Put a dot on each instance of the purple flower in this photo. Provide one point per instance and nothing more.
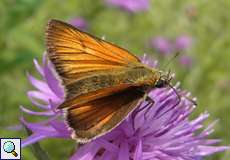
(79, 22)
(153, 131)
(183, 42)
(186, 61)
(130, 5)
(162, 45)
(166, 47)
(47, 96)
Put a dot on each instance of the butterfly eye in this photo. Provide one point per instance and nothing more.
(160, 83)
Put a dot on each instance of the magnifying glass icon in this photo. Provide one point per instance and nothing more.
(9, 147)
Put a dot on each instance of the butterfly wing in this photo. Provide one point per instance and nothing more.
(90, 96)
(96, 117)
(76, 54)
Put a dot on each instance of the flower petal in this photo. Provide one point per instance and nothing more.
(53, 82)
(40, 85)
(124, 151)
(46, 113)
(86, 152)
(38, 67)
(138, 151)
(107, 145)
(32, 139)
(208, 150)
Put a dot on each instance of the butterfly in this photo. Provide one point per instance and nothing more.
(103, 82)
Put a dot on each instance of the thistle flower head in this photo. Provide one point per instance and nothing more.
(186, 61)
(130, 5)
(156, 131)
(79, 22)
(162, 45)
(183, 42)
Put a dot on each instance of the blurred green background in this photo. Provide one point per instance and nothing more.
(22, 28)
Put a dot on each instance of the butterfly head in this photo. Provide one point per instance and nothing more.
(164, 80)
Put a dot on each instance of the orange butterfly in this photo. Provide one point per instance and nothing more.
(103, 82)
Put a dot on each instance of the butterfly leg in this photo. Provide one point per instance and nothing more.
(148, 99)
(150, 105)
(147, 106)
(135, 112)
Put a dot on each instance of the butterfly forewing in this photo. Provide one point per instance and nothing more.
(76, 53)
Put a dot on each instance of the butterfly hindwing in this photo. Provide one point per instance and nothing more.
(83, 98)
(98, 116)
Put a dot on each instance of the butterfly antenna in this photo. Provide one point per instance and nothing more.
(170, 60)
(178, 102)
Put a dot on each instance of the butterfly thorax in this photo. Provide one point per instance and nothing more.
(140, 76)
